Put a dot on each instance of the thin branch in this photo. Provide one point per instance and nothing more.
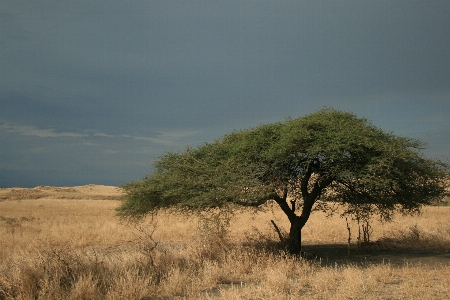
(319, 185)
(305, 181)
(280, 235)
(293, 205)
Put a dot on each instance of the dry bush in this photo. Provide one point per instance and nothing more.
(77, 249)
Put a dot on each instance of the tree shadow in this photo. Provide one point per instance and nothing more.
(331, 255)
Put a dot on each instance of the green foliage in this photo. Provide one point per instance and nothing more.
(327, 156)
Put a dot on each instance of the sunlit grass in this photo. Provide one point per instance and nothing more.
(78, 249)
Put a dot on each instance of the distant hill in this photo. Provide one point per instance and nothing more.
(86, 192)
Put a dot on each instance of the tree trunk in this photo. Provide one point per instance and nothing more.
(294, 240)
(295, 235)
(310, 196)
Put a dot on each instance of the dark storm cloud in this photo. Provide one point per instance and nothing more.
(135, 79)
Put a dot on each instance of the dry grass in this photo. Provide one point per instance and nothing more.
(78, 249)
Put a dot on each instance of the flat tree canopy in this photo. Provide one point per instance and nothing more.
(329, 156)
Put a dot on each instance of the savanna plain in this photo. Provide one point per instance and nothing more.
(67, 243)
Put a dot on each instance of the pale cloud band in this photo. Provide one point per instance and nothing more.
(164, 137)
(29, 130)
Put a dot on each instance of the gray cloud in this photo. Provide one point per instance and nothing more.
(150, 76)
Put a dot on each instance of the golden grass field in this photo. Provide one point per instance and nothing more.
(67, 243)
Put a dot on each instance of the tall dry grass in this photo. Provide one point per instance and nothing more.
(78, 249)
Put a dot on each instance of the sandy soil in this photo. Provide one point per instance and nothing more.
(85, 192)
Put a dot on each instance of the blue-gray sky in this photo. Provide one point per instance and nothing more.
(94, 91)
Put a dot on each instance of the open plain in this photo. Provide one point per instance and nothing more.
(67, 243)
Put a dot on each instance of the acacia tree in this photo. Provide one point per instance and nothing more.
(326, 157)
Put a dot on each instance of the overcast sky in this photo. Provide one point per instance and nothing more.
(94, 91)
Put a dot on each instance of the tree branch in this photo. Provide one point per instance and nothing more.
(319, 185)
(281, 201)
(293, 205)
(305, 181)
(280, 235)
